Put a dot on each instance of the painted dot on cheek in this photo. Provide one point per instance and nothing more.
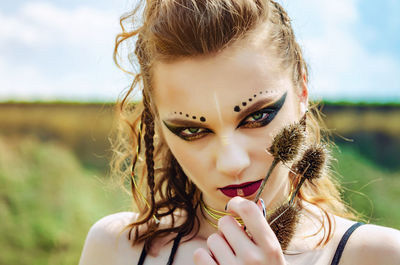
(180, 113)
(250, 99)
(244, 103)
(202, 119)
(187, 115)
(194, 117)
(236, 109)
(254, 95)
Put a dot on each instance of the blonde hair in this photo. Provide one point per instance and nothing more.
(174, 29)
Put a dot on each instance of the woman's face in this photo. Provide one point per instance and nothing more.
(218, 116)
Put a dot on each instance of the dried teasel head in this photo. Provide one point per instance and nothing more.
(287, 217)
(285, 147)
(312, 163)
(288, 142)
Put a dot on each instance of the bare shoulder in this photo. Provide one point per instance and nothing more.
(373, 244)
(106, 238)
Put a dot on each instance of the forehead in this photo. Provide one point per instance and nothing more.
(207, 85)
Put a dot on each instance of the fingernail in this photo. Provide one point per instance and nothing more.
(263, 206)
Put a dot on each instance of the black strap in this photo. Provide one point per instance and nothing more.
(174, 249)
(142, 256)
(177, 240)
(342, 243)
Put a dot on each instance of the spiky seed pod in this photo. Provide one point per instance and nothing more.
(285, 147)
(312, 163)
(287, 143)
(284, 226)
(310, 166)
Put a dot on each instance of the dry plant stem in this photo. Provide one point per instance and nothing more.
(290, 204)
(296, 191)
(260, 190)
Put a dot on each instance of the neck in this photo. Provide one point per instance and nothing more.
(206, 229)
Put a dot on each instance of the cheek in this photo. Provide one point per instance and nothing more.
(193, 161)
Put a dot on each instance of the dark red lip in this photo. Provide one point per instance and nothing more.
(238, 185)
(244, 189)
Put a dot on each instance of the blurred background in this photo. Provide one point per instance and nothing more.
(58, 84)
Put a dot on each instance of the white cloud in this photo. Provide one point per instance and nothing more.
(44, 24)
(29, 82)
(341, 64)
(48, 52)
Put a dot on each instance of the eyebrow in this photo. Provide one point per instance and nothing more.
(253, 108)
(259, 104)
(184, 123)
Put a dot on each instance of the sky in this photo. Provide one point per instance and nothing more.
(62, 49)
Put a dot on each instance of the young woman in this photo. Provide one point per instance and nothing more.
(219, 79)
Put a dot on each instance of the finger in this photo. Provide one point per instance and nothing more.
(221, 250)
(202, 257)
(254, 221)
(235, 235)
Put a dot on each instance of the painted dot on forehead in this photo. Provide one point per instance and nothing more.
(237, 107)
(202, 119)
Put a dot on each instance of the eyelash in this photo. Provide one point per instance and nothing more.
(267, 115)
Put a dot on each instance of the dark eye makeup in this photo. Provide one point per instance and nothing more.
(256, 119)
(188, 133)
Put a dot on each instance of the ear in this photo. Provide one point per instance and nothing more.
(303, 96)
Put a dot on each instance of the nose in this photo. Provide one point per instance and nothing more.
(232, 157)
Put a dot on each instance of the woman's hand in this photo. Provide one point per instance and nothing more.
(232, 245)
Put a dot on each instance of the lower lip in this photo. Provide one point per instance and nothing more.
(244, 191)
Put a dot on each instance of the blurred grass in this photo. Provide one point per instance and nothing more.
(83, 127)
(48, 201)
(371, 190)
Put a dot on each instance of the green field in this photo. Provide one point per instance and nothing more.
(54, 183)
(48, 202)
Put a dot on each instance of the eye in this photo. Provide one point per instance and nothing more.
(259, 118)
(191, 133)
(188, 133)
